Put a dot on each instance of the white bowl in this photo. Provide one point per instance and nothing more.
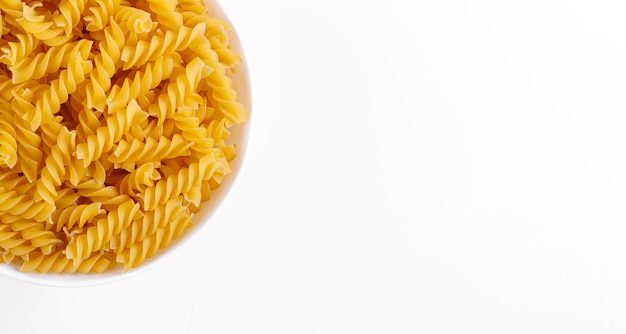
(240, 135)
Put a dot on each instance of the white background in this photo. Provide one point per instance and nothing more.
(445, 167)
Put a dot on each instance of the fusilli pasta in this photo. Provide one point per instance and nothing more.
(114, 128)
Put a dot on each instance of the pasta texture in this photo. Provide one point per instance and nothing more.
(115, 118)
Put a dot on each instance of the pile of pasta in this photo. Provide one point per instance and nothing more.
(115, 117)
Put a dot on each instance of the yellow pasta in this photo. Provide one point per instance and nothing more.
(150, 150)
(137, 20)
(8, 142)
(58, 262)
(114, 128)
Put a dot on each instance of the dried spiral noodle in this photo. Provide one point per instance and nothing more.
(114, 122)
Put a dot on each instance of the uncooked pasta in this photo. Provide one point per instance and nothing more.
(115, 117)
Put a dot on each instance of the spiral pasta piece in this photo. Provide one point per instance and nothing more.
(41, 239)
(8, 144)
(148, 225)
(19, 50)
(214, 27)
(134, 255)
(100, 14)
(181, 92)
(70, 12)
(97, 236)
(97, 192)
(21, 238)
(76, 171)
(67, 198)
(28, 149)
(55, 166)
(186, 181)
(223, 96)
(195, 8)
(12, 242)
(77, 215)
(21, 205)
(33, 21)
(218, 130)
(192, 131)
(35, 67)
(58, 263)
(165, 11)
(40, 212)
(49, 101)
(139, 151)
(105, 66)
(137, 20)
(140, 84)
(226, 55)
(109, 135)
(162, 45)
(143, 176)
